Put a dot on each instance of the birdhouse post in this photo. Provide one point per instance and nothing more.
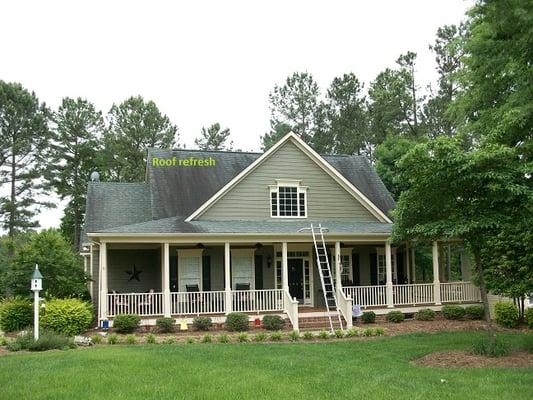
(36, 286)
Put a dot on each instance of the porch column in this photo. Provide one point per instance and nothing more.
(338, 280)
(436, 281)
(408, 263)
(413, 262)
(227, 276)
(103, 281)
(91, 273)
(165, 278)
(284, 267)
(388, 272)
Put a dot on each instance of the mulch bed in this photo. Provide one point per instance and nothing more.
(464, 359)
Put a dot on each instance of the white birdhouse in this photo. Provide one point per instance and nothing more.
(36, 280)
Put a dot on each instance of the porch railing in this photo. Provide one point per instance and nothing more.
(196, 303)
(345, 306)
(456, 292)
(143, 304)
(367, 295)
(291, 308)
(257, 300)
(413, 294)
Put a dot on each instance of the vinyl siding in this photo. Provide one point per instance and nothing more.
(119, 262)
(250, 198)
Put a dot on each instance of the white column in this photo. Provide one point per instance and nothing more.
(407, 263)
(103, 281)
(284, 267)
(388, 272)
(338, 277)
(165, 278)
(436, 281)
(413, 262)
(227, 276)
(91, 273)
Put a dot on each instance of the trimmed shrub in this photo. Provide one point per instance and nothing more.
(353, 332)
(169, 340)
(293, 336)
(506, 314)
(67, 316)
(131, 339)
(308, 335)
(323, 335)
(15, 314)
(484, 347)
(223, 338)
(97, 339)
(528, 317)
(260, 337)
(243, 337)
(339, 333)
(276, 336)
(395, 316)
(126, 323)
(150, 339)
(425, 314)
(202, 323)
(207, 338)
(165, 325)
(21, 342)
(237, 322)
(474, 311)
(368, 317)
(112, 339)
(273, 322)
(379, 331)
(451, 311)
(368, 332)
(51, 341)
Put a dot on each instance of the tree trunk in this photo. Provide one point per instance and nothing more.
(13, 196)
(484, 297)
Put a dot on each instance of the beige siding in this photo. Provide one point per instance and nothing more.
(250, 199)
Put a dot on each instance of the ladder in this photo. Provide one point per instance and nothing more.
(324, 270)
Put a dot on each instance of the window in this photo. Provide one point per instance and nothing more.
(288, 200)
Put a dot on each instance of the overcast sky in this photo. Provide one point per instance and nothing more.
(208, 61)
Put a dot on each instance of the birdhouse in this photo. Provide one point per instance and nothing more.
(36, 279)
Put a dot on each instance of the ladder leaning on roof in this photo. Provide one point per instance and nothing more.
(324, 270)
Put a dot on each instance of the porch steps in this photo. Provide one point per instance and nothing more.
(318, 323)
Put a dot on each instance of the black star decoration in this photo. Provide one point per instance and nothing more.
(134, 273)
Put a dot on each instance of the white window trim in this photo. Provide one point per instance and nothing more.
(300, 189)
(380, 251)
(347, 251)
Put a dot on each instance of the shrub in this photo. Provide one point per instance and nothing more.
(21, 342)
(190, 340)
(323, 335)
(368, 332)
(275, 336)
(165, 325)
(223, 338)
(237, 322)
(202, 323)
(339, 333)
(293, 336)
(395, 316)
(243, 337)
(131, 339)
(451, 311)
(528, 316)
(126, 323)
(67, 316)
(506, 314)
(50, 341)
(260, 337)
(15, 314)
(150, 339)
(207, 338)
(97, 339)
(425, 314)
(379, 331)
(169, 340)
(3, 341)
(353, 332)
(308, 335)
(474, 311)
(112, 339)
(528, 343)
(484, 347)
(273, 322)
(368, 317)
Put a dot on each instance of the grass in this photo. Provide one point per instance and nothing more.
(379, 368)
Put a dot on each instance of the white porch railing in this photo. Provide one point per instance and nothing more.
(456, 292)
(291, 308)
(413, 294)
(345, 307)
(257, 300)
(367, 296)
(196, 303)
(143, 304)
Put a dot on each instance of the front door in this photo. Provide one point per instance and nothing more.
(296, 278)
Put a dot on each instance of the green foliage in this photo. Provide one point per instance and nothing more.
(214, 138)
(202, 323)
(15, 314)
(496, 348)
(506, 314)
(51, 341)
(67, 316)
(273, 322)
(126, 323)
(368, 332)
(368, 317)
(223, 338)
(112, 339)
(237, 322)
(150, 339)
(260, 337)
(207, 338)
(308, 335)
(379, 331)
(243, 337)
(190, 340)
(475, 311)
(166, 325)
(352, 332)
(425, 314)
(21, 342)
(293, 336)
(324, 335)
(452, 311)
(395, 316)
(169, 340)
(339, 333)
(528, 317)
(276, 336)
(96, 339)
(3, 341)
(131, 339)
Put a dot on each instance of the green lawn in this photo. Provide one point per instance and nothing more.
(369, 369)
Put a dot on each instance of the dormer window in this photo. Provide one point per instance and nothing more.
(288, 199)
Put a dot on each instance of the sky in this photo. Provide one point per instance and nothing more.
(208, 61)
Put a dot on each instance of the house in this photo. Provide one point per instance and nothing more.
(210, 232)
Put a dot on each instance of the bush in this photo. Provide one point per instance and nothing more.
(260, 337)
(395, 316)
(506, 314)
(425, 314)
(528, 343)
(323, 335)
(293, 336)
(67, 316)
(368, 317)
(339, 333)
(165, 325)
(131, 339)
(190, 340)
(21, 342)
(202, 323)
(379, 331)
(484, 347)
(3, 341)
(97, 339)
(207, 338)
(15, 314)
(308, 335)
(112, 339)
(451, 311)
(126, 323)
(368, 332)
(273, 322)
(243, 337)
(150, 339)
(237, 322)
(353, 332)
(224, 338)
(169, 340)
(474, 311)
(276, 336)
(528, 316)
(50, 341)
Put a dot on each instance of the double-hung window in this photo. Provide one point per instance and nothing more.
(288, 199)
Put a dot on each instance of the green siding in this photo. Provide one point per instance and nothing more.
(250, 198)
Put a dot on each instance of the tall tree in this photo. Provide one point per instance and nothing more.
(79, 128)
(134, 126)
(214, 138)
(24, 139)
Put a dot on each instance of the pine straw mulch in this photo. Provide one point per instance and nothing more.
(465, 359)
